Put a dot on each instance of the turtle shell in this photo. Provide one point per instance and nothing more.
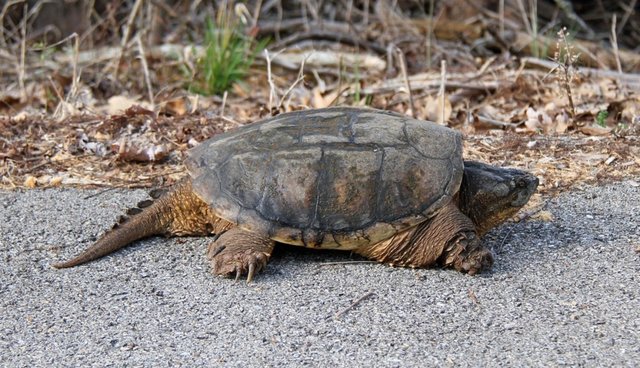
(332, 178)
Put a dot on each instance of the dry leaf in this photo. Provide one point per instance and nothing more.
(492, 112)
(30, 182)
(562, 123)
(176, 107)
(320, 101)
(537, 120)
(433, 109)
(119, 104)
(546, 216)
(20, 117)
(595, 130)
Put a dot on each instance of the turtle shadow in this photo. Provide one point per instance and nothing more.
(515, 245)
(285, 253)
(518, 246)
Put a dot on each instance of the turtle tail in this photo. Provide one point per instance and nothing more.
(151, 217)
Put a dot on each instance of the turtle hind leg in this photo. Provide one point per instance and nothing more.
(448, 239)
(239, 252)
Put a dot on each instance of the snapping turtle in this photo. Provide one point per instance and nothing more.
(385, 186)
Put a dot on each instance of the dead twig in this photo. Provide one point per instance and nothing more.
(224, 103)
(256, 14)
(627, 13)
(345, 263)
(231, 121)
(614, 43)
(318, 34)
(355, 303)
(520, 218)
(101, 192)
(127, 31)
(565, 58)
(65, 107)
(267, 27)
(272, 86)
(407, 86)
(293, 85)
(145, 70)
(502, 124)
(500, 247)
(23, 52)
(441, 92)
(74, 75)
(629, 78)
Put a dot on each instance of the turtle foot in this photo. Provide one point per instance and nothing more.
(469, 256)
(239, 252)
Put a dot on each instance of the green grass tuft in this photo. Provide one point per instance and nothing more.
(229, 53)
(601, 118)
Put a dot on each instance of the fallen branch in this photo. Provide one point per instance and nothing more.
(393, 85)
(315, 34)
(629, 78)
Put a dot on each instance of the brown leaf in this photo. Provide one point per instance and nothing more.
(176, 107)
(537, 120)
(595, 130)
(562, 123)
(119, 104)
(30, 182)
(135, 110)
(434, 109)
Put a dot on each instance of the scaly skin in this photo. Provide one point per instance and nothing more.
(178, 213)
(448, 239)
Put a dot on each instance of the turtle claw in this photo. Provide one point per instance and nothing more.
(469, 256)
(236, 262)
(237, 253)
(478, 260)
(252, 271)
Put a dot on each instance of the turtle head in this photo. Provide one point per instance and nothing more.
(490, 195)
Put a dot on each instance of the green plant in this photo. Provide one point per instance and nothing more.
(356, 82)
(601, 118)
(229, 53)
(357, 93)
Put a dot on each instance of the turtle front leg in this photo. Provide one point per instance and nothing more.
(239, 252)
(448, 239)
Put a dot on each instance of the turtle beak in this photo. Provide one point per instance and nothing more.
(527, 184)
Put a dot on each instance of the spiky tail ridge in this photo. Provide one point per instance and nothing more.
(152, 220)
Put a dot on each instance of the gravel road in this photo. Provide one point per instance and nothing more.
(562, 293)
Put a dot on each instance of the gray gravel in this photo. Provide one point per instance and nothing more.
(562, 293)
